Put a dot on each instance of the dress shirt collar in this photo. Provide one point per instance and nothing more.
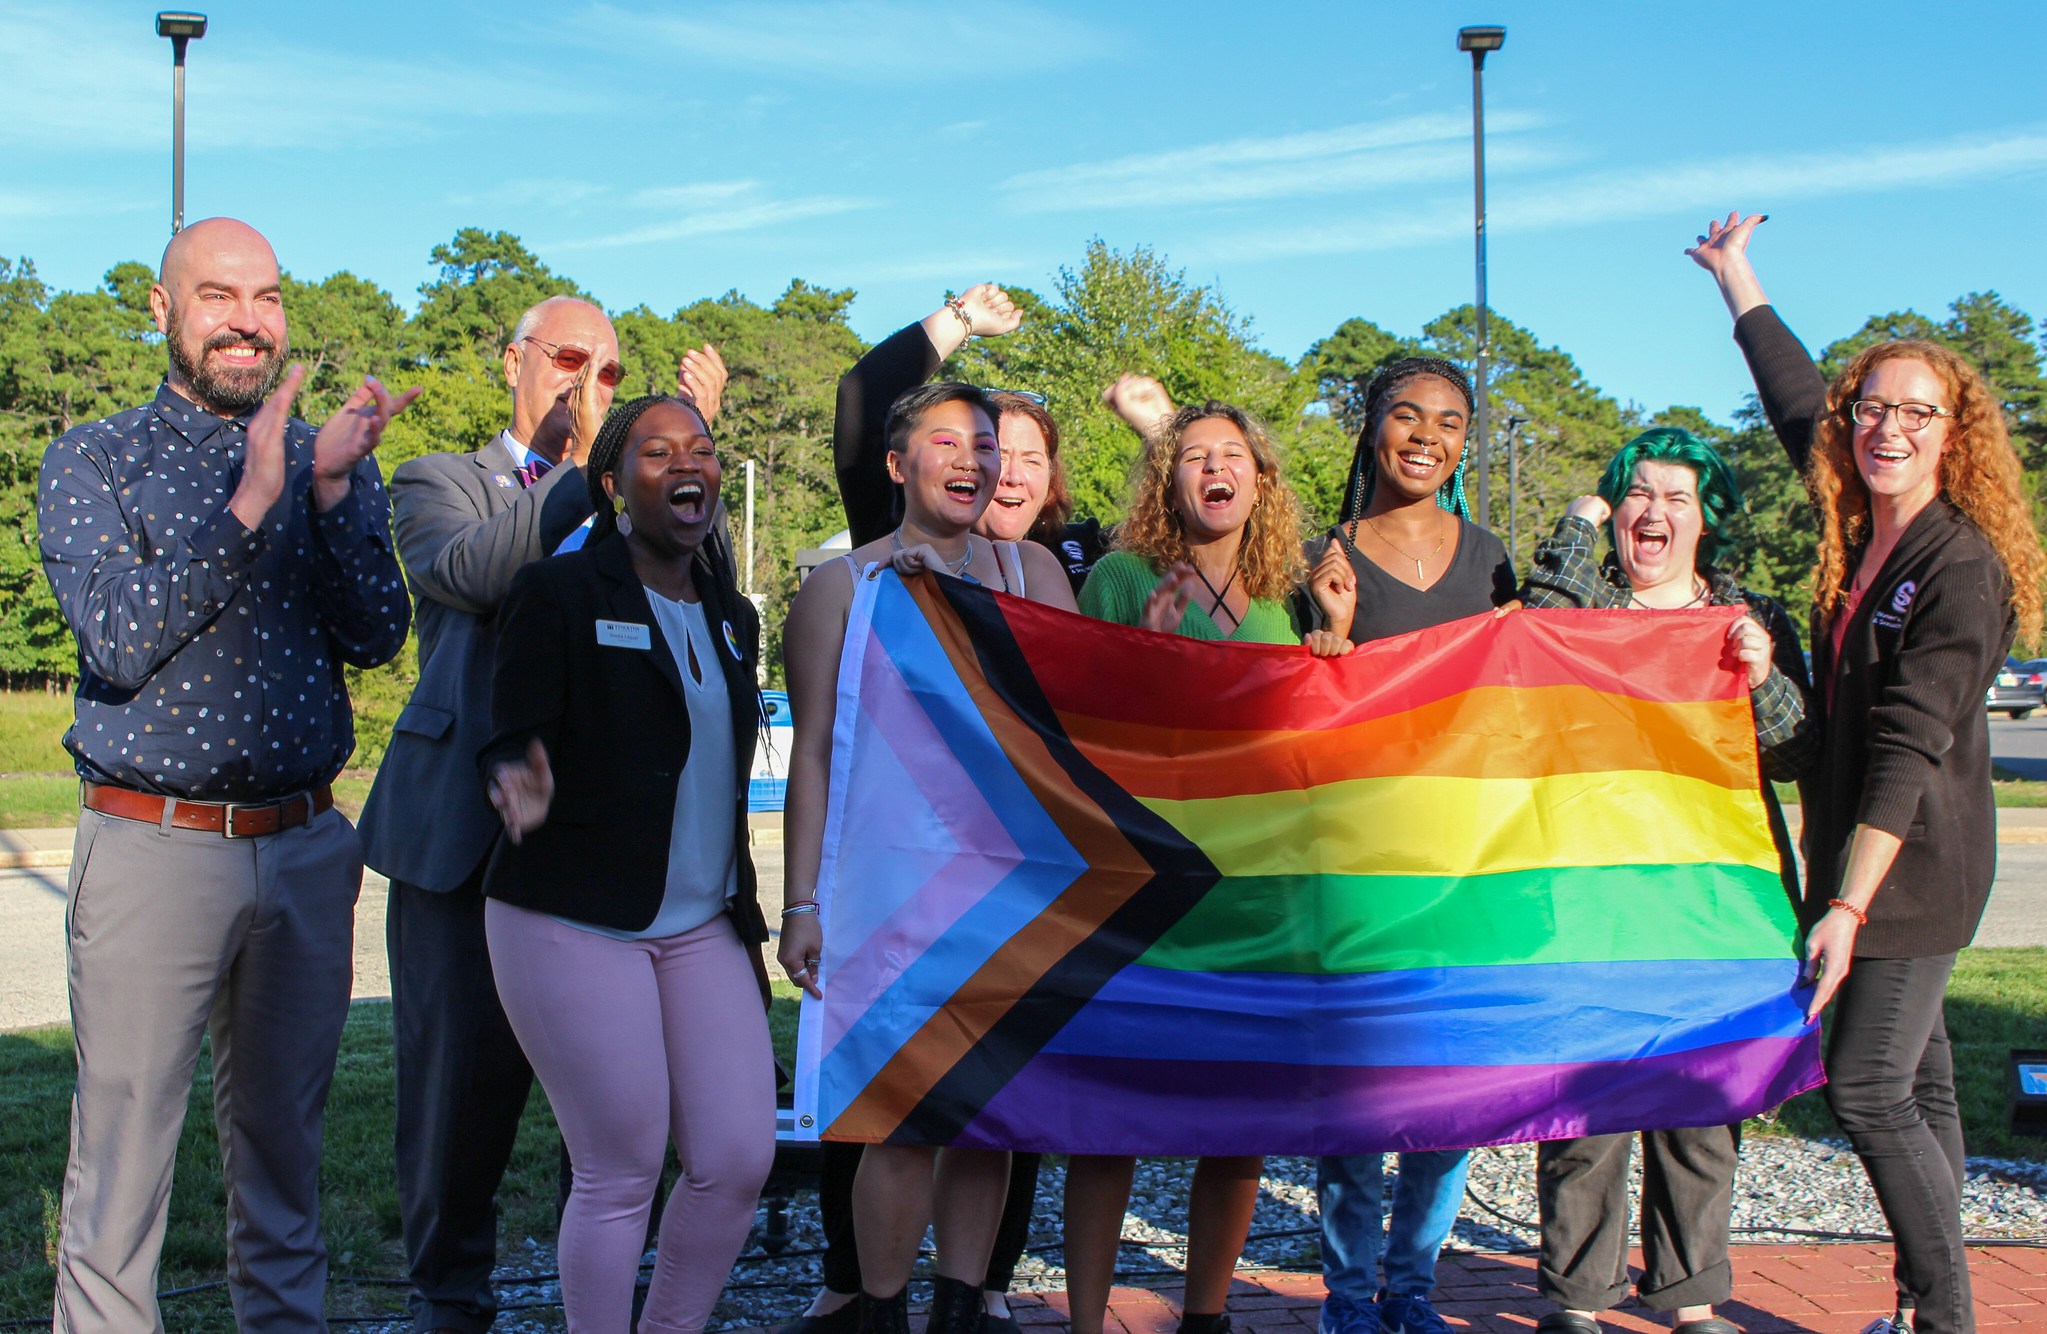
(190, 420)
(521, 456)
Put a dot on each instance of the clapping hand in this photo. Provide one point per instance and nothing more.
(1140, 401)
(1334, 582)
(701, 379)
(522, 792)
(263, 462)
(349, 436)
(586, 414)
(1167, 605)
(1749, 644)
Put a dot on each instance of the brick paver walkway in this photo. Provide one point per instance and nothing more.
(1777, 1290)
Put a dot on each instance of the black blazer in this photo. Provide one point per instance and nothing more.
(616, 728)
(1906, 739)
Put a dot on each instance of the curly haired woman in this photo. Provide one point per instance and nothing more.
(1210, 549)
(1928, 567)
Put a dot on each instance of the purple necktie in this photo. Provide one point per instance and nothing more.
(533, 470)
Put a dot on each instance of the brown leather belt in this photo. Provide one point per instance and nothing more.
(228, 819)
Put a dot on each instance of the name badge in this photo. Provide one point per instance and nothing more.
(624, 634)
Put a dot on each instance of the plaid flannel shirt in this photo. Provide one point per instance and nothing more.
(1564, 574)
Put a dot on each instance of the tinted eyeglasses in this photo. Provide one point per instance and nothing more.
(573, 359)
(1028, 395)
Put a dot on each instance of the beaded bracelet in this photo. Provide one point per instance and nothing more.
(794, 909)
(958, 306)
(1861, 917)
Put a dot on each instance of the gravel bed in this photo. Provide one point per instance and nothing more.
(1794, 1183)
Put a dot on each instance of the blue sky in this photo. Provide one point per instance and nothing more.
(1310, 160)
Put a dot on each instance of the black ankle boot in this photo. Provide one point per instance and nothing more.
(956, 1307)
(1219, 1323)
(885, 1315)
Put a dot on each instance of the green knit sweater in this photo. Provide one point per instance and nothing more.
(1117, 588)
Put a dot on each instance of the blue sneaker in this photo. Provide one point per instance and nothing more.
(1341, 1315)
(1409, 1313)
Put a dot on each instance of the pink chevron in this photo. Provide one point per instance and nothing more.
(984, 854)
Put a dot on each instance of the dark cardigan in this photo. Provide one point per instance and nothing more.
(616, 728)
(900, 362)
(1906, 744)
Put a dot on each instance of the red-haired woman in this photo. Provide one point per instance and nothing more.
(1928, 567)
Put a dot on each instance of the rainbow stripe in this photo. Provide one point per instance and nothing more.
(1088, 889)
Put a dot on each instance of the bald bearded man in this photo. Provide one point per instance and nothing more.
(219, 562)
(466, 523)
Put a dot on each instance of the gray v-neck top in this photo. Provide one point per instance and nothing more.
(1480, 578)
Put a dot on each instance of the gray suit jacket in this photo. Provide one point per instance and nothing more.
(464, 527)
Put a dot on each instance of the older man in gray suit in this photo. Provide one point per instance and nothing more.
(465, 524)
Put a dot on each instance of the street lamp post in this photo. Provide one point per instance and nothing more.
(1478, 41)
(1514, 425)
(180, 28)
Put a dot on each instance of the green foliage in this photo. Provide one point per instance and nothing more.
(488, 279)
(1345, 362)
(342, 329)
(1130, 312)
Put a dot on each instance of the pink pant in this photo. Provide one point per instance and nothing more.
(635, 1041)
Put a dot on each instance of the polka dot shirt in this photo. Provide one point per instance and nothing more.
(210, 656)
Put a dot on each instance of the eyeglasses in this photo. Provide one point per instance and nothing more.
(1029, 396)
(1911, 416)
(573, 359)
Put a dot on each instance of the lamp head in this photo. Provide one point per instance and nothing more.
(180, 26)
(1480, 40)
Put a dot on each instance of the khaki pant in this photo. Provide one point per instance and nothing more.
(173, 933)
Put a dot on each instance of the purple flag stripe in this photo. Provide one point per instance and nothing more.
(1117, 1105)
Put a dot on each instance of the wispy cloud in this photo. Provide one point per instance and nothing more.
(48, 105)
(1691, 189)
(1381, 155)
(858, 40)
(709, 208)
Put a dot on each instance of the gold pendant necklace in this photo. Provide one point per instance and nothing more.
(1419, 561)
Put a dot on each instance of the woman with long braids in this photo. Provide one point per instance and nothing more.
(1929, 566)
(1210, 548)
(1418, 561)
(623, 928)
(942, 450)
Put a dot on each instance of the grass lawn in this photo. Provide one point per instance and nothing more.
(358, 1182)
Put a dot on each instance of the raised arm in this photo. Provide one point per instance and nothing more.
(1793, 393)
(903, 360)
(1564, 572)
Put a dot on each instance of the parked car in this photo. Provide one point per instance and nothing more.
(771, 756)
(2020, 688)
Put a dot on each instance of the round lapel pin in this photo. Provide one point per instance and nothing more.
(732, 642)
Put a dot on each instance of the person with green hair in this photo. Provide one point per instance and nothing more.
(1665, 501)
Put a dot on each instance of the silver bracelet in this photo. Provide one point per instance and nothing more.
(796, 909)
(959, 308)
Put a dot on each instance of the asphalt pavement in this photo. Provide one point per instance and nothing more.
(2020, 746)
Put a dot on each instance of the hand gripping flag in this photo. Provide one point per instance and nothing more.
(1090, 889)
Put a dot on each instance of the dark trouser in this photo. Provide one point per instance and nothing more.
(1891, 1084)
(835, 1210)
(462, 1086)
(1687, 1197)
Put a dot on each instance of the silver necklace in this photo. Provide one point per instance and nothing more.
(959, 571)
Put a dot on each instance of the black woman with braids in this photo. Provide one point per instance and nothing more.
(621, 916)
(1419, 562)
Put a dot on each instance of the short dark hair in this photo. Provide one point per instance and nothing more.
(910, 406)
(1391, 378)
